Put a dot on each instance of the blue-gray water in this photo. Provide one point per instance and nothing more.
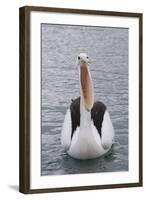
(108, 50)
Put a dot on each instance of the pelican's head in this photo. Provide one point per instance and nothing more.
(83, 58)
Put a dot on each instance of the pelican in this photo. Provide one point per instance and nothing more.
(87, 131)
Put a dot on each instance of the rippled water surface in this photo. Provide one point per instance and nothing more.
(108, 50)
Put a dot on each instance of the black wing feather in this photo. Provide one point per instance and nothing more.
(97, 114)
(75, 114)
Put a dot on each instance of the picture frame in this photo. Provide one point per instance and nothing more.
(31, 19)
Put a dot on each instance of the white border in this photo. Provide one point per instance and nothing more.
(132, 176)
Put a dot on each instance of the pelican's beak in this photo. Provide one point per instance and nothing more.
(86, 88)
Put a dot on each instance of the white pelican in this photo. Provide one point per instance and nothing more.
(87, 130)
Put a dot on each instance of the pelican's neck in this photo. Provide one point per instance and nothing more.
(85, 116)
(87, 96)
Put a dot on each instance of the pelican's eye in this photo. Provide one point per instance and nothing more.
(87, 57)
(78, 57)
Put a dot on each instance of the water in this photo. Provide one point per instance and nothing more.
(108, 50)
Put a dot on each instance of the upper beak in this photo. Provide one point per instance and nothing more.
(86, 88)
